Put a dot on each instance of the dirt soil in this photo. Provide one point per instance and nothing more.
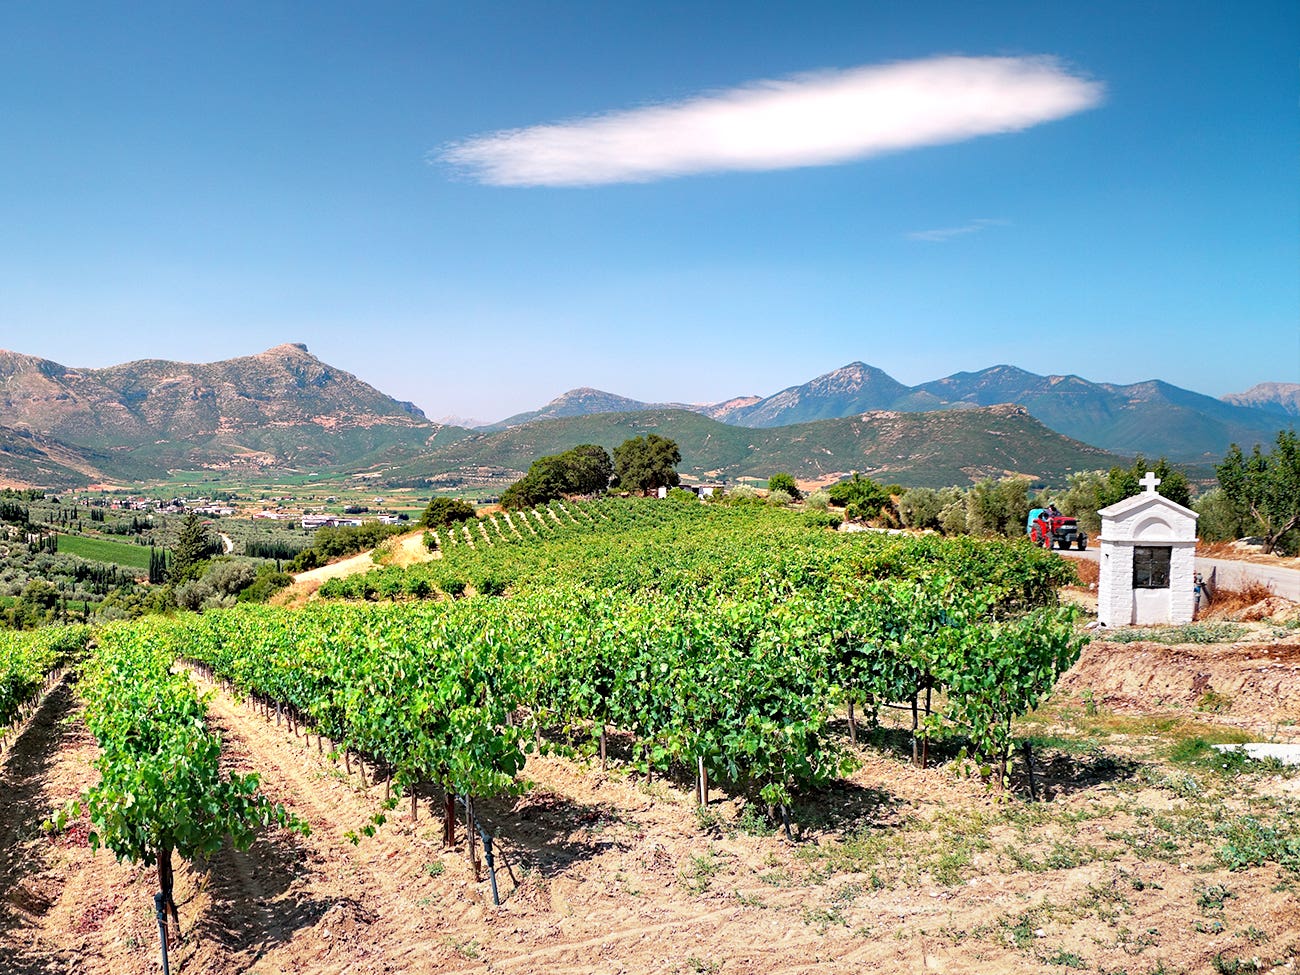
(894, 869)
(1253, 685)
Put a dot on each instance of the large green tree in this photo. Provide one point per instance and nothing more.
(647, 463)
(1124, 482)
(193, 546)
(590, 468)
(998, 507)
(445, 511)
(1266, 487)
(584, 469)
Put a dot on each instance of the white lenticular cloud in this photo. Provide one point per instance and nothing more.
(810, 120)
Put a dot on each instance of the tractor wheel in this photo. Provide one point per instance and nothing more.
(1083, 544)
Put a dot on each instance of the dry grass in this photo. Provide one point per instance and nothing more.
(1217, 550)
(1228, 603)
(1089, 572)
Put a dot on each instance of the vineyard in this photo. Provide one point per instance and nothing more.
(741, 656)
(28, 664)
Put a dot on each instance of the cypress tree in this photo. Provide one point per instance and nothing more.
(192, 547)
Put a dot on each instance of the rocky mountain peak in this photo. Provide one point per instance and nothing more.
(293, 349)
(1280, 398)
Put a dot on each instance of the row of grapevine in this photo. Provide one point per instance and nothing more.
(914, 603)
(429, 694)
(27, 659)
(740, 682)
(161, 789)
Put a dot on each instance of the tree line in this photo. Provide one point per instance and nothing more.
(1256, 495)
(641, 464)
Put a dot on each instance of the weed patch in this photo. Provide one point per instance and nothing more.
(1248, 841)
(1211, 632)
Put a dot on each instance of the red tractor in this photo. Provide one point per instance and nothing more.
(1048, 527)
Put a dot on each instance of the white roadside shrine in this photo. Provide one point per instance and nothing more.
(1148, 560)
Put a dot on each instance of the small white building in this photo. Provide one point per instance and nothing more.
(1148, 560)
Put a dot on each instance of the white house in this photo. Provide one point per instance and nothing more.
(1148, 560)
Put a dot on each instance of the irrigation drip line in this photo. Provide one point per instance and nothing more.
(160, 911)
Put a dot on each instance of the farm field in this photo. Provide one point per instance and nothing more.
(1145, 851)
(105, 550)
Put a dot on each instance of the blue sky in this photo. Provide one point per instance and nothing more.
(200, 181)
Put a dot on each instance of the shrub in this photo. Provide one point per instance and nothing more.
(1221, 520)
(742, 494)
(193, 594)
(868, 495)
(818, 500)
(998, 507)
(268, 582)
(920, 508)
(230, 578)
(952, 516)
(822, 519)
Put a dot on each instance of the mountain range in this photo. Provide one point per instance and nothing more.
(286, 410)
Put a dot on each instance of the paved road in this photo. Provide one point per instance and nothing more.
(1284, 582)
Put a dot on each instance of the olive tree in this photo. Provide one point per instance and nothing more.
(1266, 487)
(647, 463)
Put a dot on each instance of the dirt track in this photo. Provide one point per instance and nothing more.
(406, 550)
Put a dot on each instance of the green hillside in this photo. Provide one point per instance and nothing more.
(28, 458)
(923, 449)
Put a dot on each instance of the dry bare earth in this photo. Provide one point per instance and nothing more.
(1254, 686)
(895, 870)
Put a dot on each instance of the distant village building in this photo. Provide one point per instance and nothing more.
(330, 521)
(214, 509)
(700, 490)
(1148, 560)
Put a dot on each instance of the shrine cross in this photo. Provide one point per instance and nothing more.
(1150, 482)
